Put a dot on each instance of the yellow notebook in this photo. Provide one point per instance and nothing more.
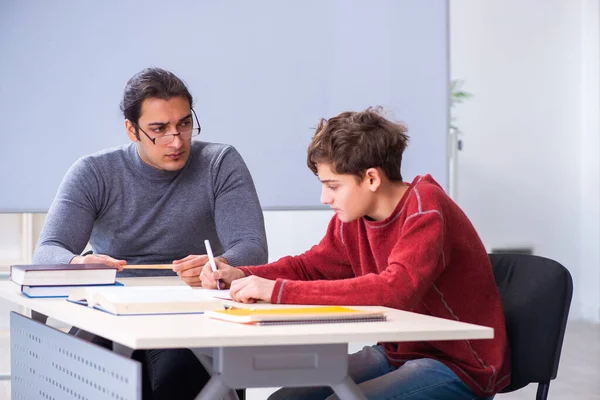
(303, 315)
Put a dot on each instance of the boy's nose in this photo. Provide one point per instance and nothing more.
(325, 199)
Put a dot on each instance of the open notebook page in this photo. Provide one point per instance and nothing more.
(142, 294)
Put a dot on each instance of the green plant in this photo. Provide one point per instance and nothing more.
(457, 96)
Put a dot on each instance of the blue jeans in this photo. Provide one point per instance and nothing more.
(421, 379)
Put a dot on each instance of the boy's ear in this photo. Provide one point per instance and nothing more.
(373, 178)
(130, 129)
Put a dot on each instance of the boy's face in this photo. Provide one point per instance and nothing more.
(160, 117)
(349, 198)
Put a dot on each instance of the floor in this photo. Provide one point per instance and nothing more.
(578, 376)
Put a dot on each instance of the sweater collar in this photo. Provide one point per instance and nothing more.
(399, 207)
(147, 171)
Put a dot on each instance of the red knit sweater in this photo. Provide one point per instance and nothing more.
(426, 257)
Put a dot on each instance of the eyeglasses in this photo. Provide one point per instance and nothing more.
(184, 133)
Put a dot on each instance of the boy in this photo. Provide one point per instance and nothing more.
(405, 246)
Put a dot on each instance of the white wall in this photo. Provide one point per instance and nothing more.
(589, 283)
(10, 238)
(293, 232)
(529, 171)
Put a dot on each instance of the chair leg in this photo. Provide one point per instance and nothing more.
(542, 392)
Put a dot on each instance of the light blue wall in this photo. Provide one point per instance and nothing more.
(263, 72)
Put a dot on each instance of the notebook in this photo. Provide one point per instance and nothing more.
(144, 300)
(301, 315)
(62, 274)
(56, 291)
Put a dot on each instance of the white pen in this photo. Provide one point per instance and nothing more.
(211, 260)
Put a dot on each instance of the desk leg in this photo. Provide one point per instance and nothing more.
(347, 389)
(215, 385)
(205, 356)
(215, 388)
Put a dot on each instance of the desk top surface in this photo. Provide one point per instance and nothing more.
(197, 330)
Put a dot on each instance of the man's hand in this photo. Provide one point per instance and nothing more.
(252, 289)
(189, 268)
(99, 259)
(225, 274)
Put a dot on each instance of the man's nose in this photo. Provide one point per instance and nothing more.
(177, 141)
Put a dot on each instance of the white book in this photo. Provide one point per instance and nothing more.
(143, 300)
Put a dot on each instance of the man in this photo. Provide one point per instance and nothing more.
(390, 243)
(155, 201)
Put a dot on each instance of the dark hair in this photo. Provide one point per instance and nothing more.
(151, 83)
(356, 141)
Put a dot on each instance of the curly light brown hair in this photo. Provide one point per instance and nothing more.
(353, 142)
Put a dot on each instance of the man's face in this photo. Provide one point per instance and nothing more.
(163, 117)
(348, 198)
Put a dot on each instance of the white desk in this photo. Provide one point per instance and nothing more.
(237, 347)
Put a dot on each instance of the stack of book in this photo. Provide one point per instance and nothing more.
(58, 280)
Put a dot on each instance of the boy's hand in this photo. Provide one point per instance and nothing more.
(190, 267)
(225, 274)
(252, 289)
(99, 259)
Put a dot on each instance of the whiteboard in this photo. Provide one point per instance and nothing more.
(262, 74)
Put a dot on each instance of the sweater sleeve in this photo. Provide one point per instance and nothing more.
(70, 219)
(238, 215)
(413, 266)
(326, 260)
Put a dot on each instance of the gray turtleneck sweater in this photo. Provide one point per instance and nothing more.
(129, 210)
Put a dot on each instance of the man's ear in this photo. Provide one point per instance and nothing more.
(373, 178)
(130, 129)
